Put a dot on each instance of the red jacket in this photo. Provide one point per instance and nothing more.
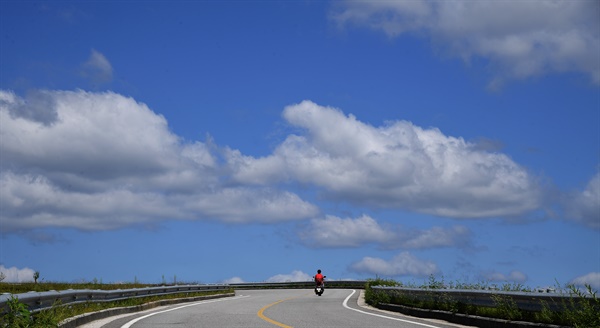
(319, 278)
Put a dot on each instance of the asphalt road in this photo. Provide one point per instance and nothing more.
(298, 308)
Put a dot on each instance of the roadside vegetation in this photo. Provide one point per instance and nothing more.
(581, 310)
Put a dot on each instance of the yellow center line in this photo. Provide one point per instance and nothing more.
(269, 320)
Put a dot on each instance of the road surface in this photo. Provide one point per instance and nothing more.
(297, 308)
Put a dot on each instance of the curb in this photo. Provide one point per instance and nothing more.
(82, 319)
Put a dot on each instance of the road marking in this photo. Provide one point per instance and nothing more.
(383, 316)
(130, 323)
(269, 320)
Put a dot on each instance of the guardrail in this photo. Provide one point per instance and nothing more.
(527, 301)
(36, 301)
(333, 284)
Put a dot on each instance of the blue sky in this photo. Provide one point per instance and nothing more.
(210, 142)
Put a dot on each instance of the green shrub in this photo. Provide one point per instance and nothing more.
(17, 316)
(373, 298)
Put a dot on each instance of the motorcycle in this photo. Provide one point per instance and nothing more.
(319, 289)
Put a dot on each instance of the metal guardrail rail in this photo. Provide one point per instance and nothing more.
(36, 301)
(528, 301)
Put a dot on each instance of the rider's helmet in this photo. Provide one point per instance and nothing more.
(319, 271)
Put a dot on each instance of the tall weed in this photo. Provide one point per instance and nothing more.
(582, 310)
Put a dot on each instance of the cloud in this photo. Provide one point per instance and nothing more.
(333, 231)
(584, 206)
(296, 275)
(38, 107)
(456, 236)
(486, 144)
(14, 274)
(520, 39)
(592, 279)
(233, 280)
(107, 161)
(97, 68)
(104, 161)
(403, 264)
(264, 205)
(398, 165)
(336, 232)
(513, 276)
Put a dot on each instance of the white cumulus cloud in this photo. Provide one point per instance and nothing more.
(592, 279)
(403, 264)
(14, 274)
(296, 275)
(584, 206)
(233, 280)
(105, 161)
(520, 39)
(398, 165)
(333, 231)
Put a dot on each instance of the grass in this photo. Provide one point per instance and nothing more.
(574, 313)
(19, 316)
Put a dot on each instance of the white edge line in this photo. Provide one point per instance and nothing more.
(130, 323)
(383, 316)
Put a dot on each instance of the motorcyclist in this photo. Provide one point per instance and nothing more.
(319, 279)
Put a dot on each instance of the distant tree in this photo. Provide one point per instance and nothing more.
(2, 276)
(36, 276)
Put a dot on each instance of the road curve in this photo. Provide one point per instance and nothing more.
(297, 308)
